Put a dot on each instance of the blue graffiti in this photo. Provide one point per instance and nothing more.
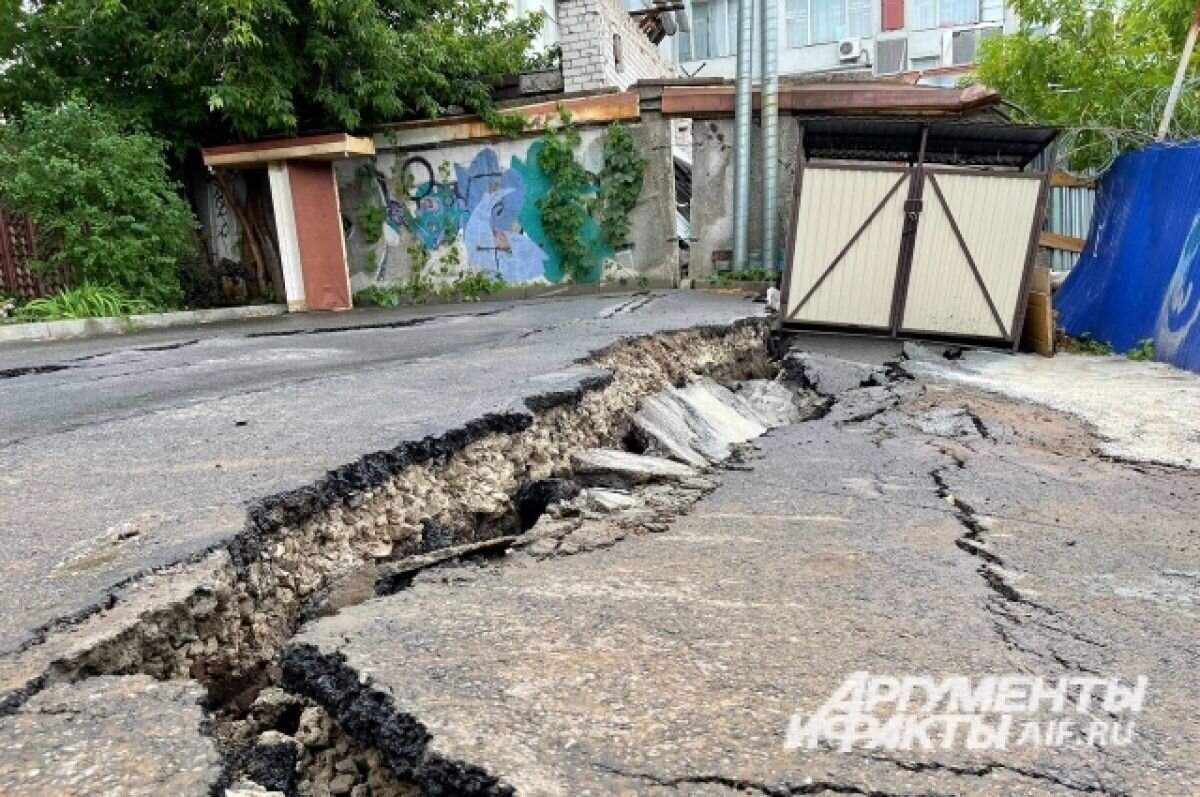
(484, 204)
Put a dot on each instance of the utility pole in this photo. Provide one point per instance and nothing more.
(1177, 87)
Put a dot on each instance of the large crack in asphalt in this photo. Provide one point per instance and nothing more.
(228, 611)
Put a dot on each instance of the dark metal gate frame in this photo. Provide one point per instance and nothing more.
(917, 174)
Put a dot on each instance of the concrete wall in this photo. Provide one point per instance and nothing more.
(712, 193)
(593, 33)
(472, 206)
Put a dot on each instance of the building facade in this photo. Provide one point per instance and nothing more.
(879, 37)
(882, 37)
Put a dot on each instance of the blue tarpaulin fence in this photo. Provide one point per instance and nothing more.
(1139, 276)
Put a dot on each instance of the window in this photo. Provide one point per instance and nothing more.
(820, 21)
(712, 24)
(891, 56)
(945, 13)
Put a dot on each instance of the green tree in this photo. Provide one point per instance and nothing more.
(206, 71)
(1092, 63)
(98, 191)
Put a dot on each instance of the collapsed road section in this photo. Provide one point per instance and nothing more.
(221, 619)
(907, 528)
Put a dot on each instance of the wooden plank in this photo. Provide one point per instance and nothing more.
(1064, 180)
(1040, 281)
(1052, 240)
(1038, 335)
(849, 98)
(257, 153)
(594, 109)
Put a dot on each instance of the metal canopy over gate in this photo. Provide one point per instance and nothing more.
(915, 250)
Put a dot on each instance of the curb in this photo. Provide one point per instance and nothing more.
(88, 327)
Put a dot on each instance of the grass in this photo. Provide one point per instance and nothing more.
(85, 301)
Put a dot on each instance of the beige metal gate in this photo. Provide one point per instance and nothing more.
(972, 243)
(925, 252)
(850, 222)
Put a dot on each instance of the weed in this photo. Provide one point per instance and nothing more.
(1086, 344)
(1143, 352)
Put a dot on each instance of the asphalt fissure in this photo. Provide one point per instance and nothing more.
(223, 619)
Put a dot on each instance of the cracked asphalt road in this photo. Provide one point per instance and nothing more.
(919, 528)
(122, 455)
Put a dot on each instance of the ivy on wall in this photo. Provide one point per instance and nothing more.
(620, 183)
(562, 207)
(567, 204)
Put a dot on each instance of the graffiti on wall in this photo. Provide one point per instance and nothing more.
(491, 211)
(1181, 306)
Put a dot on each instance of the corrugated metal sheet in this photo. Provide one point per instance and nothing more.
(1139, 277)
(834, 205)
(1070, 213)
(943, 294)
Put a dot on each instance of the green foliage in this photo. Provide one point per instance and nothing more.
(1086, 344)
(643, 282)
(469, 286)
(377, 296)
(741, 275)
(370, 220)
(473, 285)
(1091, 63)
(207, 71)
(99, 194)
(563, 209)
(86, 301)
(620, 183)
(1143, 352)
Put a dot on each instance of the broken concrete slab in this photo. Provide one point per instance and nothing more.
(610, 467)
(771, 402)
(702, 422)
(664, 422)
(126, 735)
(603, 500)
(831, 376)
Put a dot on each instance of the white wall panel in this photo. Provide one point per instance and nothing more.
(834, 205)
(995, 215)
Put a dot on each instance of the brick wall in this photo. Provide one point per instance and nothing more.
(587, 35)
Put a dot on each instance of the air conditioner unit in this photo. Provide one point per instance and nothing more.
(849, 49)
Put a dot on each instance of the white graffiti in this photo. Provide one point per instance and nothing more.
(1181, 306)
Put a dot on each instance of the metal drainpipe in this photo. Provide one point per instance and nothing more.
(770, 129)
(743, 111)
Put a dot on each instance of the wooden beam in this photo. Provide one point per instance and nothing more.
(593, 109)
(327, 147)
(1064, 180)
(1065, 243)
(849, 98)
